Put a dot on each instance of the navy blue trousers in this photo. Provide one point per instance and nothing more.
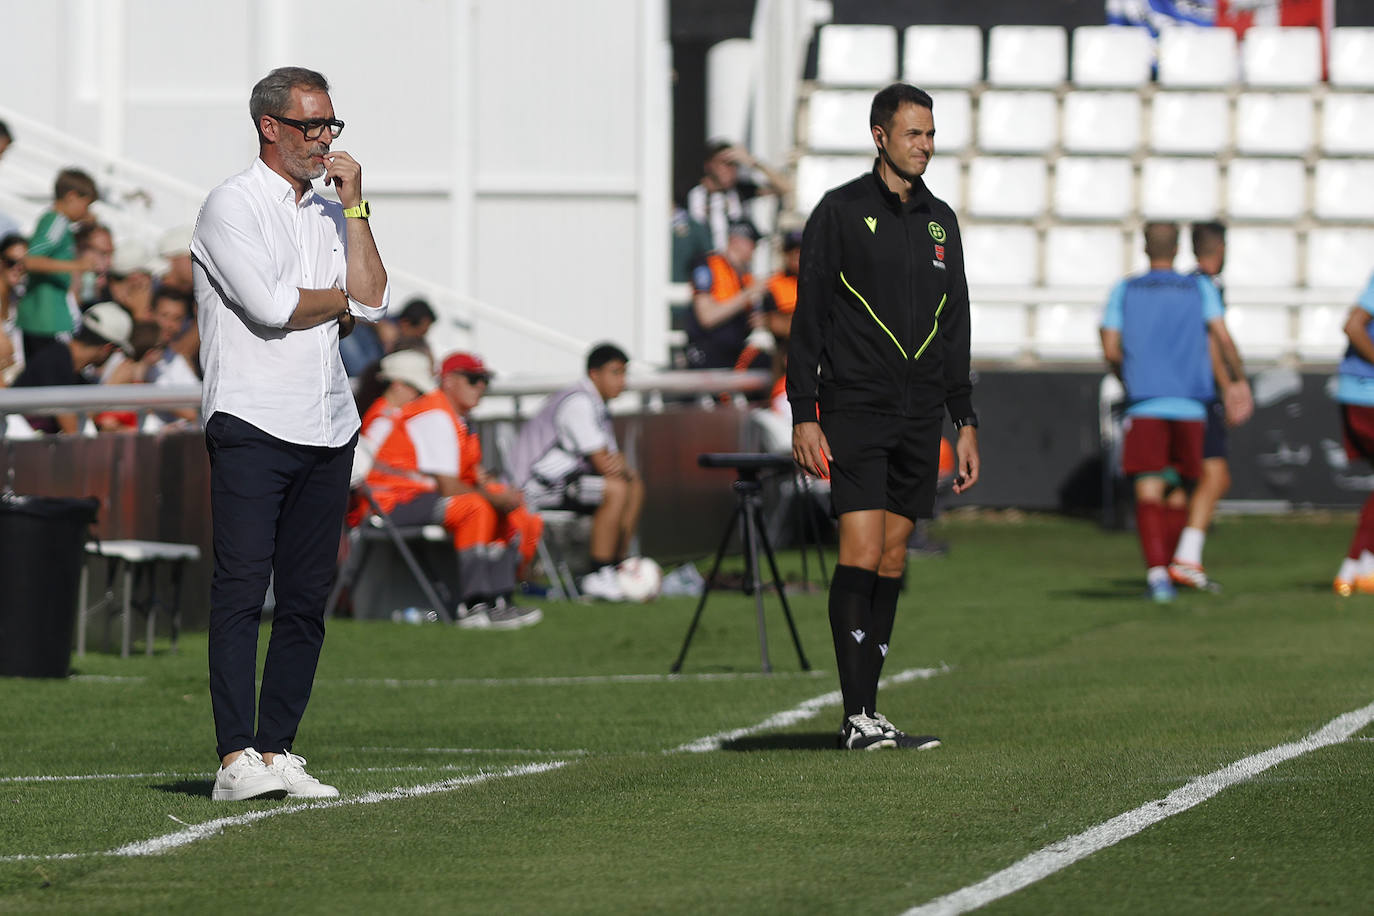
(277, 508)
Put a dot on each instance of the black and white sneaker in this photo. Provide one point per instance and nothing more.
(902, 739)
(863, 733)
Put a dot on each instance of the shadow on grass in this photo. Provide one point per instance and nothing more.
(198, 787)
(1118, 589)
(823, 741)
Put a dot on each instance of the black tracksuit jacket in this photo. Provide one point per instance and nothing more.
(882, 307)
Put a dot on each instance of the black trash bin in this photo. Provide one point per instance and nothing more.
(42, 542)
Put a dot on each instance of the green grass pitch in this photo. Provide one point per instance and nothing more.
(553, 783)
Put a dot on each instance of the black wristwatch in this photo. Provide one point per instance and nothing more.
(970, 420)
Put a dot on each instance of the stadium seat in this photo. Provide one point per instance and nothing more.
(1068, 331)
(1084, 256)
(1185, 189)
(1197, 57)
(1112, 55)
(1351, 61)
(837, 121)
(1093, 187)
(999, 330)
(945, 178)
(1274, 123)
(1260, 331)
(1281, 56)
(1348, 124)
(1101, 122)
(1000, 255)
(1027, 56)
(953, 120)
(856, 55)
(1321, 332)
(818, 174)
(1262, 256)
(939, 56)
(1190, 122)
(1266, 189)
(1344, 189)
(1007, 188)
(1340, 258)
(1013, 121)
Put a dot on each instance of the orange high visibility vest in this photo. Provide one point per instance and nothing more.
(783, 288)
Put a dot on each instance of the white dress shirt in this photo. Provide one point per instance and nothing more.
(253, 250)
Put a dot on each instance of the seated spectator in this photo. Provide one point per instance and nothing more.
(412, 323)
(13, 247)
(8, 225)
(131, 278)
(174, 248)
(132, 369)
(428, 470)
(173, 312)
(724, 301)
(566, 457)
(780, 292)
(105, 328)
(691, 245)
(405, 375)
(95, 246)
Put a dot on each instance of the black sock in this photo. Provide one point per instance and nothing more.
(885, 591)
(598, 565)
(851, 597)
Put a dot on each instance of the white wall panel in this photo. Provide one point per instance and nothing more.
(210, 55)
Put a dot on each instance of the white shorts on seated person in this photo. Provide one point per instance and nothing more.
(585, 491)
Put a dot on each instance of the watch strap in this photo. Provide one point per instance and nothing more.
(362, 211)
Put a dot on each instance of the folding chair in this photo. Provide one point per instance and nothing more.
(378, 527)
(562, 582)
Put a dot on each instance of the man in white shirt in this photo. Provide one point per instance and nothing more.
(279, 273)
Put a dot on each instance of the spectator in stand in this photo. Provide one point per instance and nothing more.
(724, 302)
(105, 328)
(131, 279)
(52, 262)
(719, 198)
(132, 369)
(413, 323)
(405, 375)
(566, 458)
(8, 226)
(691, 244)
(780, 292)
(174, 247)
(427, 470)
(13, 247)
(95, 245)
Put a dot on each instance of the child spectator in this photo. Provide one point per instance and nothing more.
(52, 262)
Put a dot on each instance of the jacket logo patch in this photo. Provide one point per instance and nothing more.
(937, 232)
(872, 223)
(940, 252)
(939, 264)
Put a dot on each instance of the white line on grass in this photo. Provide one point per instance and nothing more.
(572, 752)
(800, 713)
(1065, 852)
(98, 777)
(567, 681)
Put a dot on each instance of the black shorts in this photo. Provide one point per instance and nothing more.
(1216, 438)
(883, 462)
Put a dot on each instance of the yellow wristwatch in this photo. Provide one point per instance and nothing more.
(362, 211)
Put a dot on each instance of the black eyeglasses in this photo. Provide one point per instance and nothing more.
(315, 127)
(476, 378)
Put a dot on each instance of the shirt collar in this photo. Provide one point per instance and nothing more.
(587, 386)
(277, 187)
(918, 199)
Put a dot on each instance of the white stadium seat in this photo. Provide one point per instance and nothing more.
(1112, 55)
(1274, 123)
(856, 55)
(1260, 331)
(1266, 189)
(1101, 122)
(1071, 332)
(998, 330)
(1340, 258)
(1344, 189)
(1190, 56)
(938, 56)
(999, 255)
(1286, 56)
(1351, 61)
(1084, 256)
(1093, 187)
(1321, 332)
(818, 174)
(837, 121)
(1348, 124)
(1012, 121)
(1007, 188)
(945, 178)
(1179, 189)
(1190, 122)
(1027, 56)
(953, 120)
(1261, 256)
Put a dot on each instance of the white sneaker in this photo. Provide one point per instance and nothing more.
(290, 769)
(247, 777)
(473, 618)
(602, 584)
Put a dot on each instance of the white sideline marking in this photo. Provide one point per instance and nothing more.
(800, 713)
(96, 777)
(572, 752)
(568, 681)
(1065, 852)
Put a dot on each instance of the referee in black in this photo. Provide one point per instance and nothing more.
(879, 349)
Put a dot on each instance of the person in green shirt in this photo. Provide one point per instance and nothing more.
(52, 262)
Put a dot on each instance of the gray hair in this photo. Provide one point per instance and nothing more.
(272, 94)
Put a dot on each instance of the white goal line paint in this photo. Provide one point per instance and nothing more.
(1060, 855)
(568, 681)
(799, 713)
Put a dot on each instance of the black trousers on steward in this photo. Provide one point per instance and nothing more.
(277, 508)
